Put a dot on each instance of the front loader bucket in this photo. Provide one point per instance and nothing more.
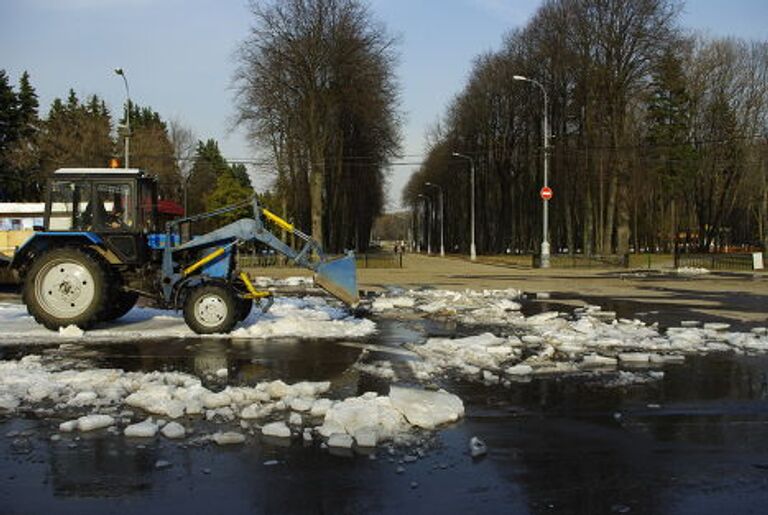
(339, 278)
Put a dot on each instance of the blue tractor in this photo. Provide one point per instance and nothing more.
(102, 249)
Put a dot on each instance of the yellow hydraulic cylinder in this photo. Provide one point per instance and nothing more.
(205, 260)
(254, 293)
(277, 220)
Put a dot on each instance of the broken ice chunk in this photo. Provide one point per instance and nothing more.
(520, 370)
(477, 447)
(93, 422)
(634, 357)
(144, 429)
(71, 331)
(426, 409)
(228, 438)
(596, 360)
(278, 429)
(366, 437)
(342, 440)
(173, 430)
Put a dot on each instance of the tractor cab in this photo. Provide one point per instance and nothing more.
(118, 206)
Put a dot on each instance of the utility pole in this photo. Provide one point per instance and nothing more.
(472, 247)
(442, 217)
(545, 129)
(119, 71)
(427, 216)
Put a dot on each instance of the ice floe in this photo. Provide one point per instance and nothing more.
(34, 381)
(588, 341)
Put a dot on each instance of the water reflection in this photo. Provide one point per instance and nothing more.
(557, 444)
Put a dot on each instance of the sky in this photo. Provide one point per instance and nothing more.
(178, 55)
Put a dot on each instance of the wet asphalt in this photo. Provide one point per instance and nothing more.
(694, 442)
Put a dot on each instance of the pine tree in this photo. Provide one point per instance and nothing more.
(76, 135)
(152, 150)
(208, 166)
(24, 153)
(8, 134)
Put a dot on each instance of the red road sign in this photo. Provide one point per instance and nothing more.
(546, 193)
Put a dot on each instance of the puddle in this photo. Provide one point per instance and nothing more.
(696, 440)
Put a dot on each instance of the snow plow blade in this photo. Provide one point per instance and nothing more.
(339, 278)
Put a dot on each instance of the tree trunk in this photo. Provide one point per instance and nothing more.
(610, 211)
(589, 231)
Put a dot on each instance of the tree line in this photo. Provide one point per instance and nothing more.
(317, 93)
(657, 137)
(83, 133)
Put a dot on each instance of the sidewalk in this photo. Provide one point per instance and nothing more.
(728, 296)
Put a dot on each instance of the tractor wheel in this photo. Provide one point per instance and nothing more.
(244, 307)
(66, 286)
(123, 302)
(211, 308)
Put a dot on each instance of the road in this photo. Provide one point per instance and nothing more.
(688, 437)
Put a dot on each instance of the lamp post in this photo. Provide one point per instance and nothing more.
(427, 213)
(472, 247)
(120, 72)
(545, 130)
(442, 217)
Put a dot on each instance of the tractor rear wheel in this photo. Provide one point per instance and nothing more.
(123, 302)
(66, 286)
(244, 307)
(211, 308)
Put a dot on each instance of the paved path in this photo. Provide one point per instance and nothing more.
(734, 297)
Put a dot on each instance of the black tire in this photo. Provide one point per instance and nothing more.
(244, 307)
(123, 302)
(211, 308)
(66, 286)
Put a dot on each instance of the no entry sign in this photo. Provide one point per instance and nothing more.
(546, 193)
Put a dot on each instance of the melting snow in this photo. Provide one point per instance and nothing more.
(590, 340)
(289, 317)
(369, 418)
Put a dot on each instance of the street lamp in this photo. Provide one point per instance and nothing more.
(442, 217)
(120, 72)
(427, 212)
(545, 235)
(472, 247)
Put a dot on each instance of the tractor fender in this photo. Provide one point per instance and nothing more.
(42, 241)
(184, 285)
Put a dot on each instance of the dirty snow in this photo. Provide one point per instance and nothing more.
(289, 317)
(689, 270)
(470, 306)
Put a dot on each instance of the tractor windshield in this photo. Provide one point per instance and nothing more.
(114, 207)
(69, 205)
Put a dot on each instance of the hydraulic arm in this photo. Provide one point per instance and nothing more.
(337, 276)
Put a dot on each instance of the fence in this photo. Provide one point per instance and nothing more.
(367, 260)
(584, 261)
(729, 261)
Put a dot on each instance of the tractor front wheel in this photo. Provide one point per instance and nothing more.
(211, 308)
(66, 286)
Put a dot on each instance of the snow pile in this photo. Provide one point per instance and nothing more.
(310, 317)
(30, 382)
(691, 271)
(289, 317)
(591, 341)
(270, 282)
(470, 306)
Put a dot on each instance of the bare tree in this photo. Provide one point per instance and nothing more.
(316, 87)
